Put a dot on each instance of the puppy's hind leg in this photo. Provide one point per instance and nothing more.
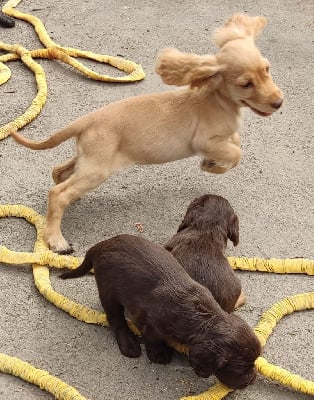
(63, 194)
(62, 172)
(127, 341)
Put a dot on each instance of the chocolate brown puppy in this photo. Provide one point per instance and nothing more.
(165, 303)
(199, 246)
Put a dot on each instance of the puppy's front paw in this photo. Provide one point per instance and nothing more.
(129, 345)
(160, 354)
(213, 167)
(206, 165)
(62, 250)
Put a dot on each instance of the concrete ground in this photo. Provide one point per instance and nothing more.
(272, 191)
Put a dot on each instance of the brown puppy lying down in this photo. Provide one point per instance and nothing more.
(165, 303)
(202, 118)
(199, 246)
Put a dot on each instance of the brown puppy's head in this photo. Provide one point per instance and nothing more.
(230, 354)
(238, 71)
(212, 211)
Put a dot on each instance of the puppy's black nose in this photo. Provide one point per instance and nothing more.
(277, 104)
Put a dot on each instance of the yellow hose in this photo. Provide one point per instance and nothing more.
(56, 52)
(39, 377)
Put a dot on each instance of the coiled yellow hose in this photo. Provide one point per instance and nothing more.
(55, 52)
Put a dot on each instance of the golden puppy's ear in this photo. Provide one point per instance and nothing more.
(239, 26)
(180, 69)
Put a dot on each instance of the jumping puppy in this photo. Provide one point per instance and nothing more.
(165, 303)
(199, 246)
(203, 118)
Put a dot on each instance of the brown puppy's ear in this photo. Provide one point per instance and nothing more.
(182, 226)
(190, 214)
(233, 230)
(205, 361)
(239, 26)
(180, 69)
(169, 246)
(188, 218)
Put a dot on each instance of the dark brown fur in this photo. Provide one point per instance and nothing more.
(165, 303)
(199, 246)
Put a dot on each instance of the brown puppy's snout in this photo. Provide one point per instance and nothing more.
(277, 104)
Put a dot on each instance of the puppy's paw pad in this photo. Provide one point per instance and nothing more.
(60, 247)
(69, 250)
(207, 164)
(213, 167)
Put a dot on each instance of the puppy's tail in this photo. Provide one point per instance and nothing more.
(53, 141)
(85, 267)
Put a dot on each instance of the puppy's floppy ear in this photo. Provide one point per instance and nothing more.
(233, 230)
(180, 69)
(191, 213)
(205, 361)
(187, 220)
(239, 26)
(182, 226)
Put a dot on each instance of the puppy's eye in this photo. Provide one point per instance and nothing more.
(248, 84)
(267, 68)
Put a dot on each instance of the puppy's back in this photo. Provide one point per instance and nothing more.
(129, 263)
(207, 266)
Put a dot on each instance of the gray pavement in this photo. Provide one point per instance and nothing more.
(272, 192)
